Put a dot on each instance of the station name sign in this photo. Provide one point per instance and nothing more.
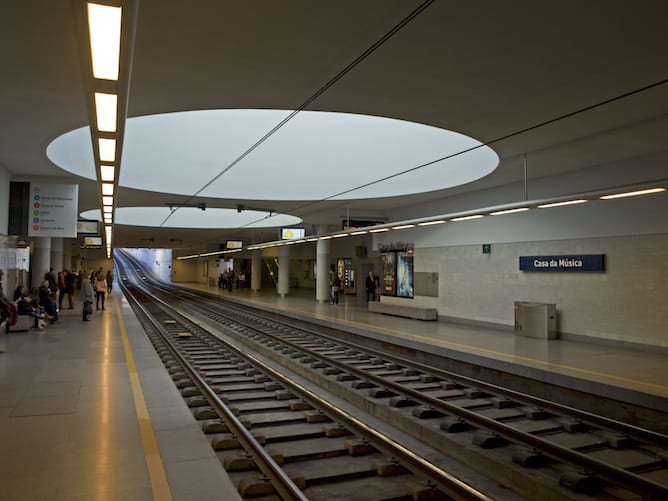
(577, 262)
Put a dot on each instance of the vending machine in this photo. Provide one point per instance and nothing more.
(344, 267)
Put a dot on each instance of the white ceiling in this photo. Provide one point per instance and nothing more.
(524, 76)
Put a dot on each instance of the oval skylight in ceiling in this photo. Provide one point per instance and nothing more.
(316, 155)
(190, 217)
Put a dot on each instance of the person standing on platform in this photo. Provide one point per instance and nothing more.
(100, 290)
(370, 288)
(51, 277)
(61, 289)
(86, 296)
(336, 286)
(110, 279)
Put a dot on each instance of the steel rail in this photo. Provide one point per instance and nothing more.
(447, 482)
(281, 482)
(612, 474)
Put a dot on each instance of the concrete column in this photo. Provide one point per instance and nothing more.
(256, 270)
(322, 258)
(67, 254)
(283, 269)
(56, 254)
(41, 259)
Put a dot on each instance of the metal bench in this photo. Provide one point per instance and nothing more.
(403, 311)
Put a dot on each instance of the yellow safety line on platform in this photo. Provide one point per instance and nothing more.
(492, 352)
(156, 472)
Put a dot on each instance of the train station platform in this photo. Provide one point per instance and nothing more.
(628, 374)
(88, 411)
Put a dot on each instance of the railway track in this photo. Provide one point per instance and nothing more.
(536, 449)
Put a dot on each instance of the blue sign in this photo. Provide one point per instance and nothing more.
(578, 262)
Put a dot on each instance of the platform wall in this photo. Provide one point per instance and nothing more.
(625, 303)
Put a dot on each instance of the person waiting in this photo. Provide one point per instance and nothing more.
(46, 301)
(100, 290)
(370, 288)
(26, 306)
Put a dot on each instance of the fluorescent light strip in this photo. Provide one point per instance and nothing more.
(108, 189)
(107, 150)
(508, 211)
(107, 172)
(108, 201)
(379, 230)
(467, 218)
(325, 237)
(104, 28)
(339, 235)
(429, 223)
(633, 193)
(105, 109)
(403, 226)
(561, 204)
(107, 209)
(359, 232)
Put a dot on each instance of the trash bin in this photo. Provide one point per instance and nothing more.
(537, 320)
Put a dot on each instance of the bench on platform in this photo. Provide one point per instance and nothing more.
(403, 311)
(23, 324)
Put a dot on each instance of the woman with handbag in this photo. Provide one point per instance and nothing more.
(86, 296)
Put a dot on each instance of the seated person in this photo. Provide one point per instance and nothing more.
(46, 301)
(26, 306)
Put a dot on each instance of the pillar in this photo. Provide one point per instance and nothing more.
(322, 289)
(41, 259)
(256, 270)
(56, 254)
(283, 269)
(67, 254)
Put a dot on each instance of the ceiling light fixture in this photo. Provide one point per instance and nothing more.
(104, 28)
(561, 204)
(429, 223)
(359, 232)
(107, 189)
(107, 149)
(379, 230)
(508, 211)
(105, 110)
(467, 218)
(633, 193)
(107, 173)
(403, 226)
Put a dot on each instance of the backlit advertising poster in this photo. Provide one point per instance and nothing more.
(404, 274)
(53, 210)
(389, 274)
